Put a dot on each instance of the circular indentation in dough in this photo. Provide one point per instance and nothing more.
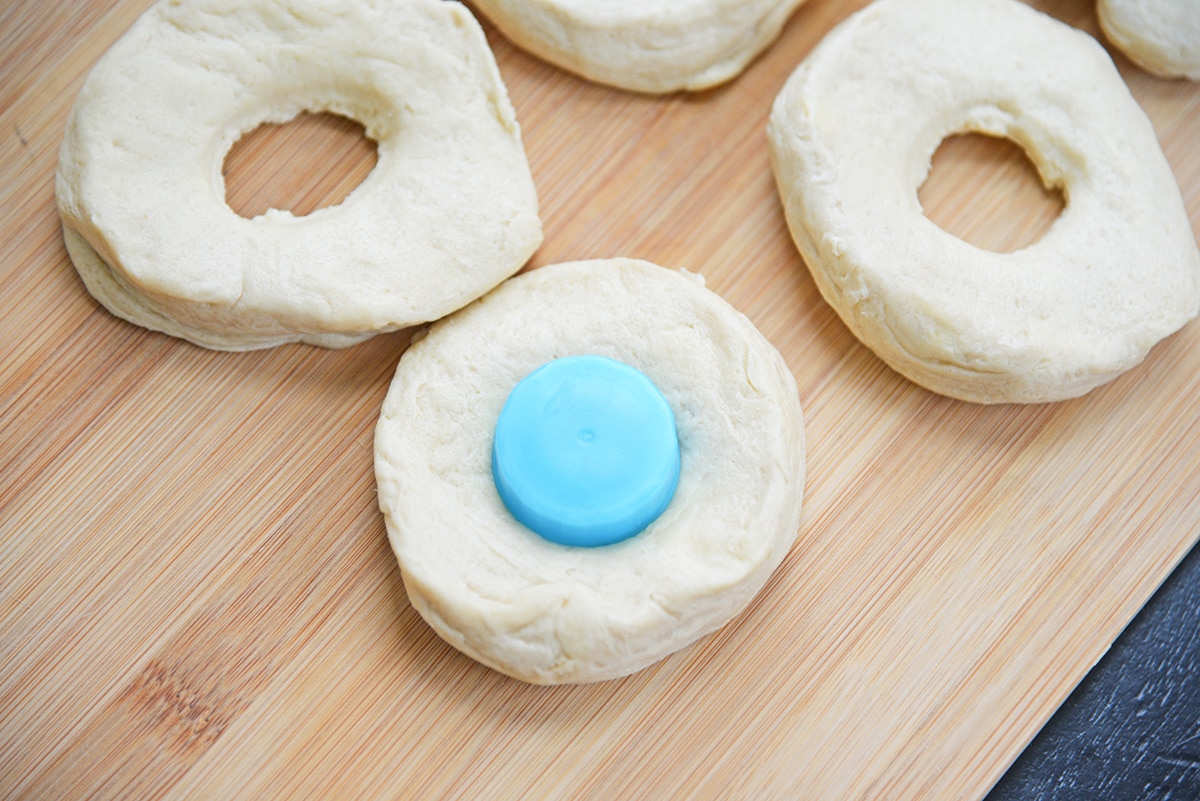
(448, 212)
(851, 138)
(644, 45)
(1160, 36)
(550, 613)
(585, 451)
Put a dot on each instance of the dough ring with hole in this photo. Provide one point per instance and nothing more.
(852, 134)
(448, 212)
(549, 613)
(653, 46)
(1160, 36)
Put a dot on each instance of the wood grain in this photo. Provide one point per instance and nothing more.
(1129, 729)
(196, 595)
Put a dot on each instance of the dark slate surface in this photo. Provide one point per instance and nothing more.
(1131, 729)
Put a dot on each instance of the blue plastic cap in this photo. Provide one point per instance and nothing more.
(585, 451)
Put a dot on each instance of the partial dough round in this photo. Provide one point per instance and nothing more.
(449, 211)
(549, 613)
(1160, 36)
(651, 46)
(852, 134)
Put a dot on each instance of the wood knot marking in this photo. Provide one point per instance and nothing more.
(182, 711)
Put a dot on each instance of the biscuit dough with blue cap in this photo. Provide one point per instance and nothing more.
(587, 609)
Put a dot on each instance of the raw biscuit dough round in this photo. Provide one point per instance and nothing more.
(852, 135)
(549, 613)
(653, 46)
(448, 212)
(1160, 36)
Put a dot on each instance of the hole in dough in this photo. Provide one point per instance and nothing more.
(985, 190)
(308, 163)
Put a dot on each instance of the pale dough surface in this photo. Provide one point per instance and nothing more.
(548, 613)
(852, 134)
(448, 212)
(653, 46)
(1161, 36)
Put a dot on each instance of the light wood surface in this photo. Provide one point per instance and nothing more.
(197, 599)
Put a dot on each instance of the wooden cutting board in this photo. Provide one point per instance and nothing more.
(196, 594)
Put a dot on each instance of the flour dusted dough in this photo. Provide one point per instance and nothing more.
(449, 211)
(1161, 36)
(645, 45)
(852, 134)
(550, 613)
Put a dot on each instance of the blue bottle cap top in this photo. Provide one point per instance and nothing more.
(585, 451)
